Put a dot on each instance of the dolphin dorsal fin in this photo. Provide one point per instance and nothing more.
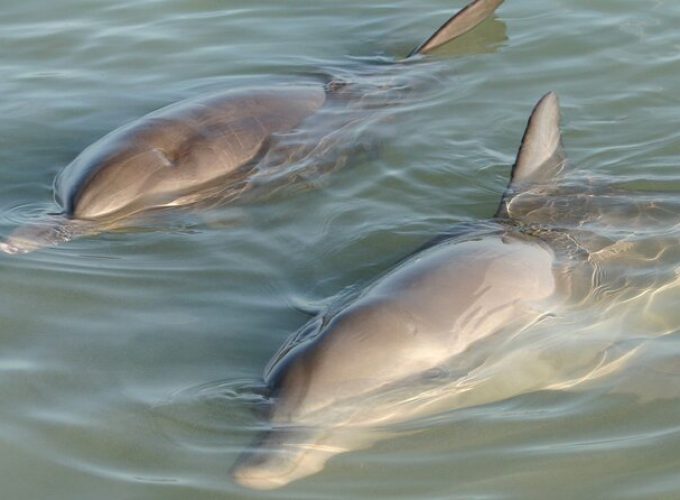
(540, 157)
(463, 21)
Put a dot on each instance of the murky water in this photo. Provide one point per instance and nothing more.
(130, 362)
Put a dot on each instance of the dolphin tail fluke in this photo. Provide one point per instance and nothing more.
(540, 158)
(50, 232)
(463, 21)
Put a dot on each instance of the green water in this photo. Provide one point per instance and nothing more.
(128, 359)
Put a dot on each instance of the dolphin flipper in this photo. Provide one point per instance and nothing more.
(463, 21)
(540, 157)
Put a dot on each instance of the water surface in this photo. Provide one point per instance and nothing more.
(130, 361)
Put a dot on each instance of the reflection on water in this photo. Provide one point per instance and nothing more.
(130, 360)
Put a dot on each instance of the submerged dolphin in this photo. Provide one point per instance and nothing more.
(379, 359)
(203, 149)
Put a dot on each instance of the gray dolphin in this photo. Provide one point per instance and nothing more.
(406, 346)
(208, 148)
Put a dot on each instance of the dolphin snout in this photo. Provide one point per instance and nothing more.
(279, 457)
(258, 477)
(11, 248)
(34, 236)
(15, 245)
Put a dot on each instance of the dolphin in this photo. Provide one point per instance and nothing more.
(215, 148)
(408, 345)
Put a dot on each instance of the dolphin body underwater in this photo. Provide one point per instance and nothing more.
(212, 148)
(457, 324)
